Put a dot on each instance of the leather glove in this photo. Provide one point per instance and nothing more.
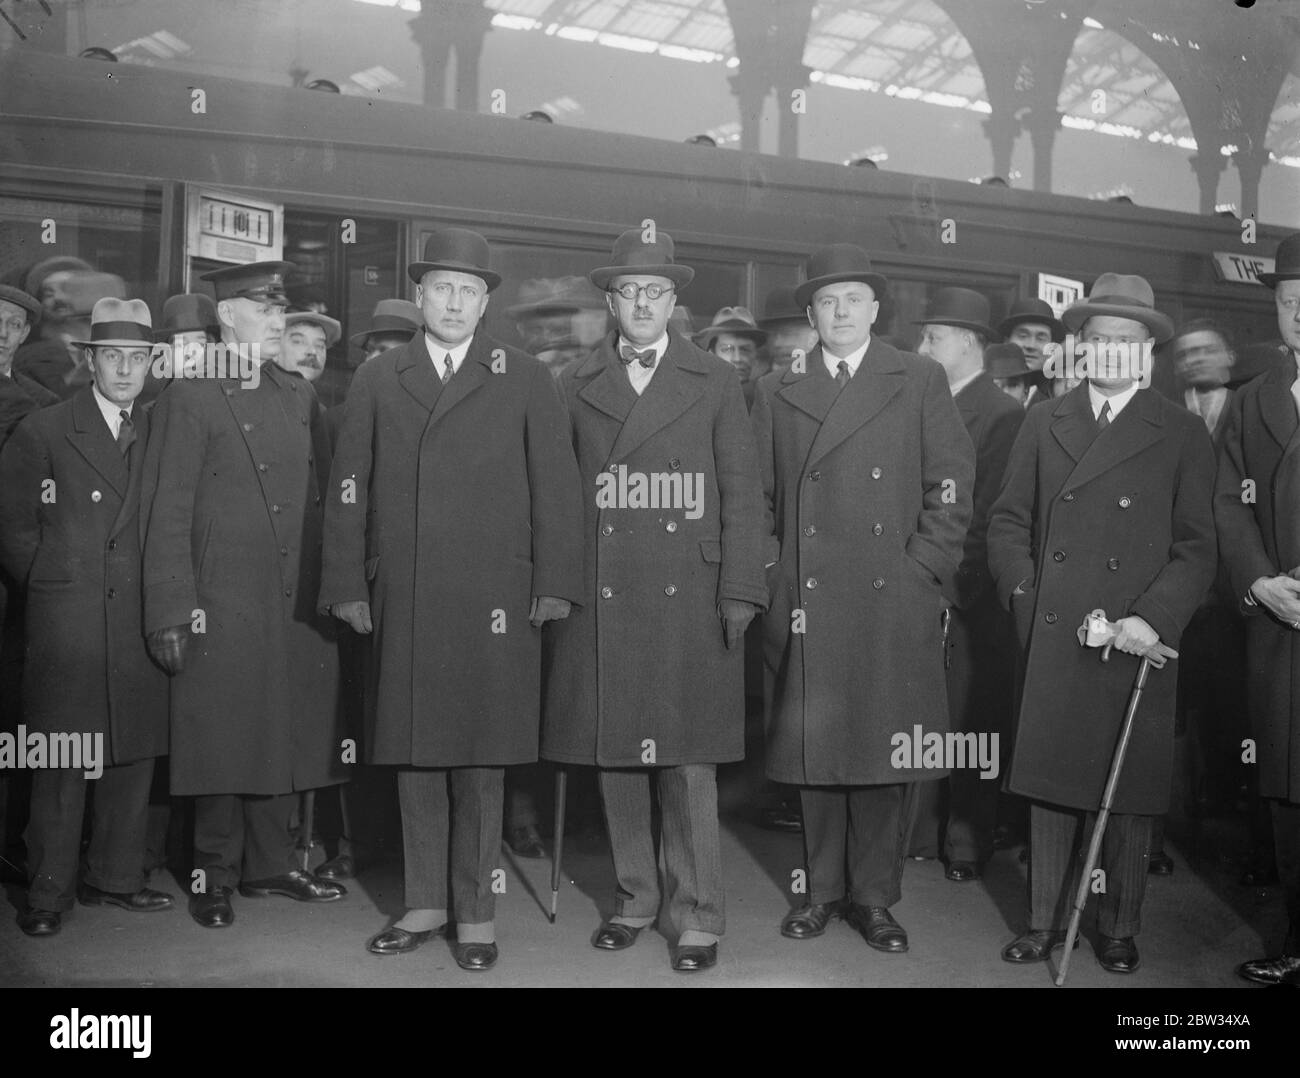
(547, 608)
(167, 646)
(736, 614)
(357, 615)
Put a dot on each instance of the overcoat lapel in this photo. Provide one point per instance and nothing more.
(677, 384)
(416, 375)
(879, 378)
(604, 382)
(1136, 428)
(91, 438)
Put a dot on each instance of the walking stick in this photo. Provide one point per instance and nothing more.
(307, 824)
(561, 797)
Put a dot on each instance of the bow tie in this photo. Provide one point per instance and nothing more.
(627, 354)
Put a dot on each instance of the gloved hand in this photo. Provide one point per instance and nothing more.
(547, 608)
(357, 615)
(736, 614)
(167, 646)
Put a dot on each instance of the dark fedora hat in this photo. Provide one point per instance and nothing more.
(632, 256)
(1286, 263)
(391, 316)
(1120, 295)
(734, 320)
(1005, 361)
(833, 264)
(124, 323)
(458, 250)
(780, 306)
(961, 307)
(188, 312)
(25, 300)
(1036, 311)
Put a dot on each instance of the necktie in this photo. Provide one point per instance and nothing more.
(1103, 420)
(447, 370)
(125, 433)
(842, 375)
(627, 354)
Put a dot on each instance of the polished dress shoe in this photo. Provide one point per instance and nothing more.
(784, 814)
(525, 842)
(1260, 876)
(877, 926)
(612, 936)
(693, 959)
(394, 940)
(1160, 864)
(342, 867)
(297, 884)
(475, 956)
(212, 909)
(40, 922)
(1034, 946)
(962, 871)
(809, 921)
(1285, 969)
(144, 900)
(1119, 955)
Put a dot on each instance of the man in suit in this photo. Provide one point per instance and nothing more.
(1256, 507)
(452, 532)
(647, 681)
(1106, 505)
(869, 475)
(308, 336)
(233, 513)
(979, 661)
(19, 394)
(69, 533)
(1032, 324)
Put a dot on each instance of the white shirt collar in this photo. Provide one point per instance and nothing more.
(853, 359)
(110, 411)
(1117, 402)
(437, 351)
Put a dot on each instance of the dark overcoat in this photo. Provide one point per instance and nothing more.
(646, 660)
(1119, 521)
(69, 532)
(1257, 511)
(450, 507)
(232, 546)
(870, 490)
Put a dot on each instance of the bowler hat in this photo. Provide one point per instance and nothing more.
(262, 282)
(1120, 295)
(391, 316)
(333, 331)
(780, 306)
(1036, 311)
(833, 264)
(961, 307)
(633, 256)
(735, 320)
(1286, 263)
(458, 250)
(125, 323)
(188, 313)
(27, 302)
(1005, 361)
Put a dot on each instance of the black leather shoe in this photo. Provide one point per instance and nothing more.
(525, 842)
(809, 921)
(1285, 969)
(612, 936)
(40, 922)
(475, 956)
(693, 959)
(782, 815)
(1034, 946)
(1260, 876)
(213, 909)
(962, 871)
(342, 867)
(878, 927)
(1160, 864)
(1119, 955)
(144, 900)
(394, 940)
(297, 884)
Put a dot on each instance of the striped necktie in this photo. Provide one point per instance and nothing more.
(126, 434)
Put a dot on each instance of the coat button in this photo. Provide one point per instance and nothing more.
(304, 420)
(112, 593)
(311, 459)
(262, 467)
(1112, 564)
(810, 583)
(95, 496)
(876, 473)
(275, 509)
(810, 530)
(1050, 617)
(814, 476)
(674, 464)
(671, 526)
(284, 550)
(230, 392)
(877, 583)
(1068, 496)
(1125, 502)
(612, 469)
(1058, 555)
(877, 529)
(608, 529)
(112, 544)
(671, 589)
(607, 593)
(288, 592)
(248, 427)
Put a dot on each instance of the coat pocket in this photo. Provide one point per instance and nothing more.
(372, 567)
(711, 550)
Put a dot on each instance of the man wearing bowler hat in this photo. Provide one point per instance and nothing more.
(69, 533)
(1257, 509)
(1105, 506)
(979, 667)
(869, 475)
(1032, 324)
(647, 680)
(452, 532)
(19, 394)
(1006, 367)
(231, 567)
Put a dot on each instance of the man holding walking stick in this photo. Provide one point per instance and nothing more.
(1106, 505)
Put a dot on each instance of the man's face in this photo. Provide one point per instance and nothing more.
(740, 351)
(55, 297)
(843, 315)
(1287, 297)
(453, 303)
(641, 319)
(379, 343)
(302, 349)
(1015, 388)
(119, 372)
(188, 348)
(14, 328)
(785, 338)
(1110, 372)
(251, 321)
(955, 349)
(1033, 338)
(1202, 359)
